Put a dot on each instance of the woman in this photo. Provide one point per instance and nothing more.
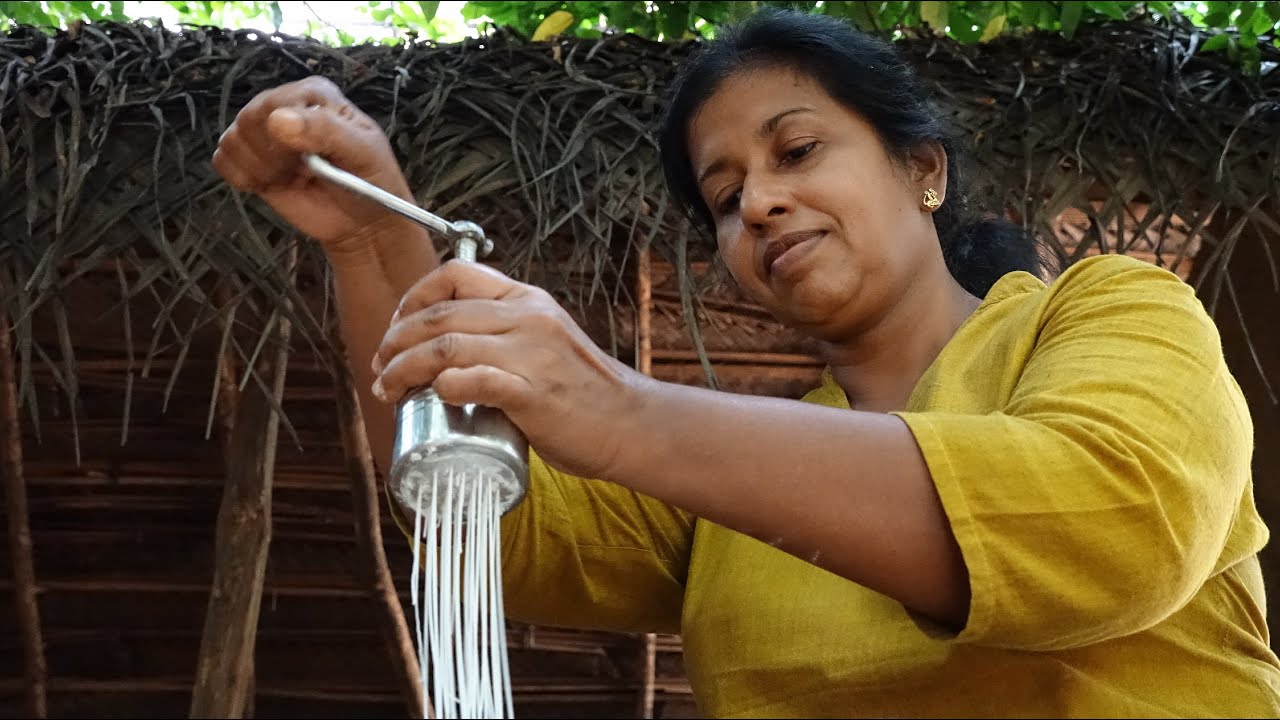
(994, 504)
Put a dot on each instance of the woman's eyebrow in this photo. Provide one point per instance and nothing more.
(767, 128)
(771, 125)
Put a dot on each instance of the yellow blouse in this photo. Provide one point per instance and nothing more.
(1092, 453)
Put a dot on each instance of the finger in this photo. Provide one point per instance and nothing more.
(314, 90)
(313, 115)
(251, 121)
(231, 172)
(340, 135)
(419, 365)
(483, 385)
(457, 280)
(470, 317)
(240, 166)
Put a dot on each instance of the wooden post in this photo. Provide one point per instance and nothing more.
(226, 403)
(372, 558)
(644, 363)
(15, 491)
(648, 664)
(228, 397)
(224, 668)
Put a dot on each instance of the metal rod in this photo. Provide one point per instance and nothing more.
(430, 221)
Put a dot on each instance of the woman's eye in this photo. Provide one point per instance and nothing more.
(730, 203)
(799, 151)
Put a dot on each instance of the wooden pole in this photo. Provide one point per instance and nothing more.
(648, 664)
(224, 668)
(15, 491)
(372, 561)
(228, 398)
(226, 402)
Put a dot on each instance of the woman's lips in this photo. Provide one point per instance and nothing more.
(787, 250)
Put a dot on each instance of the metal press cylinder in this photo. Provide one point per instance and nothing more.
(455, 443)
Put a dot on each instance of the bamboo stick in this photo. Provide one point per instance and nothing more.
(24, 576)
(373, 559)
(644, 311)
(644, 356)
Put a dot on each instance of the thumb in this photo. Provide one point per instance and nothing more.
(354, 146)
(290, 127)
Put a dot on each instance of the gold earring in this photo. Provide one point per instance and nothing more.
(931, 199)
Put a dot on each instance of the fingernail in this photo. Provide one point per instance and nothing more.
(378, 390)
(377, 364)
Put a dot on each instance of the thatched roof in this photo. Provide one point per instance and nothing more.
(107, 134)
(130, 273)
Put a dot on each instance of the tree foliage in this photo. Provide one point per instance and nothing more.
(1235, 28)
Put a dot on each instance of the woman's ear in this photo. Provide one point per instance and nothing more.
(927, 163)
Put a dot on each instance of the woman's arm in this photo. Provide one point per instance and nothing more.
(845, 490)
(375, 256)
(370, 276)
(1030, 527)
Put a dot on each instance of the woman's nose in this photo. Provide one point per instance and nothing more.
(763, 203)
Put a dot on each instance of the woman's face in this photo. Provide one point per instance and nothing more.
(814, 219)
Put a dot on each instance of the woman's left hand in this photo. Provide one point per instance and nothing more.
(477, 336)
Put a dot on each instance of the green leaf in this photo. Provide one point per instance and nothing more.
(934, 13)
(1217, 18)
(277, 15)
(715, 12)
(994, 27)
(1262, 23)
(862, 14)
(1070, 18)
(1031, 14)
(469, 11)
(429, 10)
(1250, 59)
(962, 25)
(675, 20)
(1217, 42)
(1112, 10)
(1273, 9)
(1245, 18)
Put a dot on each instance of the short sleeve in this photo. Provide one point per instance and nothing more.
(1101, 497)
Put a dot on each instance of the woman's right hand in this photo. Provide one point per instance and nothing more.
(261, 153)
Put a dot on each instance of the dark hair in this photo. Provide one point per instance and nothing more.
(867, 75)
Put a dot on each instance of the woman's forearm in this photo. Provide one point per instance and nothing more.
(371, 275)
(848, 491)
